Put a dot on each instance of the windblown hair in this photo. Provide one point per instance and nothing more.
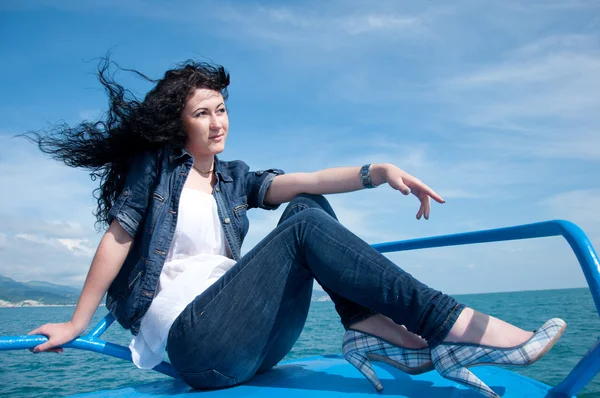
(107, 146)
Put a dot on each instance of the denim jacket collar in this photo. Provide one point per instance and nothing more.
(177, 153)
(223, 174)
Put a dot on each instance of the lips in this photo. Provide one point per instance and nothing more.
(215, 136)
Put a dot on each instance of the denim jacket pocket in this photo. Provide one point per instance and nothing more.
(134, 285)
(136, 273)
(158, 200)
(239, 207)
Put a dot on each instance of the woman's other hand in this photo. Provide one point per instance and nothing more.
(57, 333)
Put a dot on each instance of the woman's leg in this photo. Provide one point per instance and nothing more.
(224, 336)
(470, 326)
(384, 328)
(351, 314)
(290, 325)
(475, 327)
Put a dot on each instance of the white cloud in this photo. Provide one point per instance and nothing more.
(505, 266)
(369, 23)
(304, 23)
(548, 45)
(78, 246)
(579, 206)
(560, 85)
(34, 257)
(41, 185)
(540, 100)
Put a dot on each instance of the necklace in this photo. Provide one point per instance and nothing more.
(204, 172)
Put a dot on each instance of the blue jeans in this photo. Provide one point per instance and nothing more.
(251, 317)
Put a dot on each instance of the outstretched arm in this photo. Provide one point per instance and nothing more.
(107, 262)
(346, 179)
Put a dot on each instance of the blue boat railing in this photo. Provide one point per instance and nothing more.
(580, 375)
(88, 342)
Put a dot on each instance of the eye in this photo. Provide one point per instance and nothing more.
(221, 110)
(201, 113)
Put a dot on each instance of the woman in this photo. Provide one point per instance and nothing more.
(170, 258)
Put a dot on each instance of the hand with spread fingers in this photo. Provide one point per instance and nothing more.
(407, 184)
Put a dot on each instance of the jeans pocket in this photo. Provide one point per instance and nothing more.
(208, 379)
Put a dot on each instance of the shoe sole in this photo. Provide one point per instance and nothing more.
(427, 367)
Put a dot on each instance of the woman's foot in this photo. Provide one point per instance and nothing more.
(383, 327)
(379, 339)
(477, 339)
(477, 328)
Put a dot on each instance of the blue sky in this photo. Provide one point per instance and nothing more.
(493, 104)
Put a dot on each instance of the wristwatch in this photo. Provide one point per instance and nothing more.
(365, 176)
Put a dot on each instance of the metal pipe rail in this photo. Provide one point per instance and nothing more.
(88, 342)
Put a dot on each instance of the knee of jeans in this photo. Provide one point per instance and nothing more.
(208, 379)
(309, 196)
(311, 215)
(314, 201)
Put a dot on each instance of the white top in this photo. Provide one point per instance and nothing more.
(197, 258)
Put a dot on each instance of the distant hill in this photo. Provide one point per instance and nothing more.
(43, 292)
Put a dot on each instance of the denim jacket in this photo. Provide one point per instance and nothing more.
(147, 210)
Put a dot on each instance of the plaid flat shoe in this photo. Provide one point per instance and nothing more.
(360, 349)
(451, 360)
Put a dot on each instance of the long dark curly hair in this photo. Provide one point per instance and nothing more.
(107, 146)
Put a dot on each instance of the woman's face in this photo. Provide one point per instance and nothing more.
(205, 122)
